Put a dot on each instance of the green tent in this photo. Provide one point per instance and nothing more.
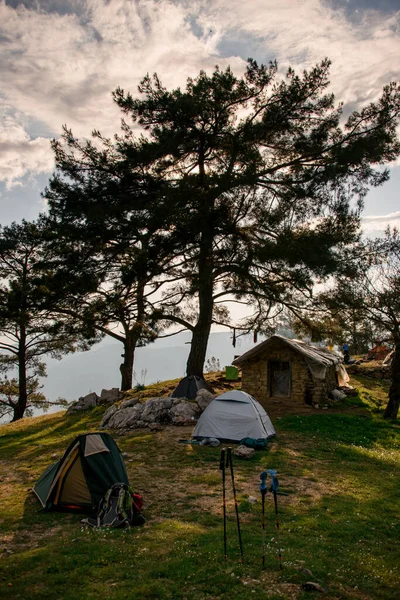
(90, 465)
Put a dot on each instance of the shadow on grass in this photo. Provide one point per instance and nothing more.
(26, 438)
(353, 430)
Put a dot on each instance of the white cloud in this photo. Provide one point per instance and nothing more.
(19, 153)
(61, 68)
(378, 223)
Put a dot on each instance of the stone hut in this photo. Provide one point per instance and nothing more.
(280, 368)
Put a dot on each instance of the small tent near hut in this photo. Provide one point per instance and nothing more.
(233, 416)
(189, 386)
(90, 465)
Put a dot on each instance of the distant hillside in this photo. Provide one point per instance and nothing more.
(81, 373)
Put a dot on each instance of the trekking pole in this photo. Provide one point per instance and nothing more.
(222, 467)
(263, 490)
(274, 490)
(230, 463)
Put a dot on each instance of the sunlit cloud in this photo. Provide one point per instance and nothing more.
(379, 223)
(60, 67)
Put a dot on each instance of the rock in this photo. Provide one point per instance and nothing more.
(129, 402)
(177, 401)
(156, 410)
(203, 398)
(84, 403)
(185, 411)
(338, 395)
(108, 414)
(156, 427)
(109, 396)
(126, 417)
(90, 400)
(311, 586)
(252, 500)
(244, 452)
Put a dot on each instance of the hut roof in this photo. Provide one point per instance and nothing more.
(317, 358)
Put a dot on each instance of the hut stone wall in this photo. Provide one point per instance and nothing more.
(304, 388)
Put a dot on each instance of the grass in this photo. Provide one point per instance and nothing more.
(339, 519)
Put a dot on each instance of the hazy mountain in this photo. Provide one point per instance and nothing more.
(78, 374)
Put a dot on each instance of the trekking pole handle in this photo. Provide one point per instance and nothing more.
(263, 484)
(275, 482)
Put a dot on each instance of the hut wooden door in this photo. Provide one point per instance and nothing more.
(280, 378)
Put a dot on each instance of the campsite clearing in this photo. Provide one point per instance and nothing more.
(339, 521)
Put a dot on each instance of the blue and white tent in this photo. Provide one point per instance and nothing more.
(233, 416)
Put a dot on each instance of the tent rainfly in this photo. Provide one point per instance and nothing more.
(90, 465)
(233, 416)
(189, 386)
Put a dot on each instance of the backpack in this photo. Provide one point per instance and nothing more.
(120, 507)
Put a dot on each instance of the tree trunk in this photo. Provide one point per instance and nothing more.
(132, 337)
(197, 355)
(126, 368)
(201, 332)
(20, 407)
(392, 407)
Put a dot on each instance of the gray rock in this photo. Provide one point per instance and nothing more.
(156, 427)
(90, 400)
(185, 411)
(156, 410)
(109, 396)
(108, 414)
(84, 403)
(126, 417)
(203, 398)
(244, 452)
(177, 401)
(252, 500)
(129, 402)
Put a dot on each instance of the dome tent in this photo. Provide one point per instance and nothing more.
(233, 416)
(90, 465)
(189, 386)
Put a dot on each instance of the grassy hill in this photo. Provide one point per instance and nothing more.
(339, 520)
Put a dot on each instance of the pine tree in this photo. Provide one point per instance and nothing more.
(262, 177)
(28, 328)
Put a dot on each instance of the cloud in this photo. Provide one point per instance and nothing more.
(378, 223)
(19, 153)
(60, 66)
(364, 54)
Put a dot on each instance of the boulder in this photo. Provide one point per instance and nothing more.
(126, 417)
(156, 410)
(108, 414)
(84, 403)
(129, 402)
(244, 452)
(185, 411)
(203, 398)
(109, 396)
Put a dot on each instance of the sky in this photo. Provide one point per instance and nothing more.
(60, 60)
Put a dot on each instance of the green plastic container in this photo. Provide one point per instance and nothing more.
(231, 373)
